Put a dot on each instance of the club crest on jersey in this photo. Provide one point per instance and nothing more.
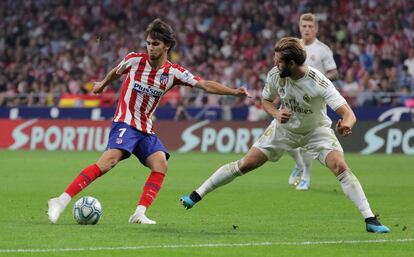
(164, 79)
(281, 91)
(306, 98)
(119, 141)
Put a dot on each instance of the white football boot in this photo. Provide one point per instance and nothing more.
(304, 184)
(140, 218)
(55, 209)
(295, 176)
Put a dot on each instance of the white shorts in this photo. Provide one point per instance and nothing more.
(318, 143)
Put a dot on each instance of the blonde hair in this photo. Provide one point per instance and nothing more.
(308, 17)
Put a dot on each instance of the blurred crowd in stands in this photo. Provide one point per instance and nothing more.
(51, 51)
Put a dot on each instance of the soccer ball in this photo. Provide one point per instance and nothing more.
(87, 211)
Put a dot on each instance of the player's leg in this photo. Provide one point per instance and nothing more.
(304, 182)
(352, 188)
(121, 142)
(225, 174)
(297, 171)
(152, 153)
(107, 161)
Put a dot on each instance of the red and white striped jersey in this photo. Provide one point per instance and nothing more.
(143, 88)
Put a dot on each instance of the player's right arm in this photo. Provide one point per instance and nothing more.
(282, 115)
(269, 95)
(122, 68)
(99, 86)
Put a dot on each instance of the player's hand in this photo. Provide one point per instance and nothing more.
(343, 129)
(98, 87)
(242, 92)
(283, 115)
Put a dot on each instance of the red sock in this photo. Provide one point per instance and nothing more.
(86, 177)
(151, 188)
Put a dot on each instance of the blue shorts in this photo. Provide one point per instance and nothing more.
(133, 141)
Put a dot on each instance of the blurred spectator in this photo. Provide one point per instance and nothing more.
(50, 48)
(181, 112)
(405, 79)
(409, 62)
(256, 111)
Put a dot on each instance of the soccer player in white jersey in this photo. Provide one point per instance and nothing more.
(319, 56)
(301, 122)
(148, 76)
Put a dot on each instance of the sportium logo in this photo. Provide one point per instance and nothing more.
(55, 135)
(204, 137)
(386, 135)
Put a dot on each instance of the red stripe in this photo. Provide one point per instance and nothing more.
(133, 99)
(121, 102)
(162, 87)
(132, 55)
(131, 107)
(144, 115)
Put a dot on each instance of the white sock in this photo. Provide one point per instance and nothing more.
(65, 198)
(295, 153)
(352, 188)
(141, 209)
(225, 174)
(307, 166)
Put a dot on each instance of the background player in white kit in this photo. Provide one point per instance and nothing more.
(320, 57)
(301, 122)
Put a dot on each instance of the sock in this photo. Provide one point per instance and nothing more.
(65, 198)
(307, 166)
(195, 197)
(140, 209)
(86, 177)
(151, 188)
(352, 188)
(295, 153)
(225, 174)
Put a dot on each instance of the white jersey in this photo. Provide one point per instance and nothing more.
(319, 56)
(306, 98)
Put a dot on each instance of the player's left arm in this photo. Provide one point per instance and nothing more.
(344, 126)
(330, 66)
(213, 87)
(332, 74)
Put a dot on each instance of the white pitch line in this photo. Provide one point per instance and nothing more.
(142, 247)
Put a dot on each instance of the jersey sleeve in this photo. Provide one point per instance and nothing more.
(270, 89)
(328, 61)
(183, 77)
(332, 97)
(125, 65)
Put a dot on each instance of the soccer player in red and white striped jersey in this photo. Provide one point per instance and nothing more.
(147, 77)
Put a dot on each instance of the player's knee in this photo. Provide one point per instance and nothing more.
(160, 165)
(163, 165)
(107, 164)
(339, 166)
(246, 166)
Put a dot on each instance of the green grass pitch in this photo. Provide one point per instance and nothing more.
(256, 215)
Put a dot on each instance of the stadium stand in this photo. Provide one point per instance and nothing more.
(52, 50)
